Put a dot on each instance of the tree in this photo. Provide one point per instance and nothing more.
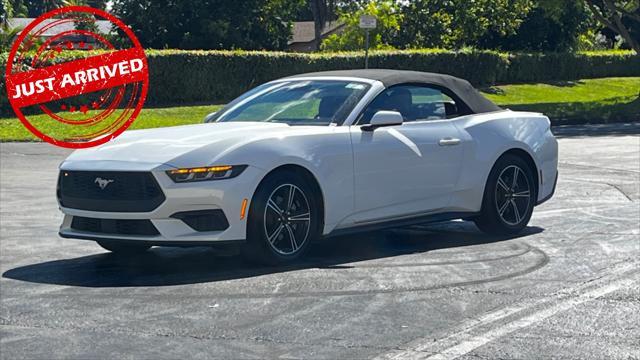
(620, 16)
(321, 10)
(552, 25)
(352, 37)
(7, 37)
(458, 23)
(39, 7)
(209, 24)
(302, 11)
(6, 11)
(434, 23)
(81, 21)
(13, 8)
(98, 4)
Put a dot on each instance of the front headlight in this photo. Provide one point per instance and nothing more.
(206, 173)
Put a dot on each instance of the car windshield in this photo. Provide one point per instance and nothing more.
(296, 102)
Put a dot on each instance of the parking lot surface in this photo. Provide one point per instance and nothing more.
(568, 287)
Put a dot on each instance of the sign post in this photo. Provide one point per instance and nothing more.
(367, 22)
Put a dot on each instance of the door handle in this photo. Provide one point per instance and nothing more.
(448, 141)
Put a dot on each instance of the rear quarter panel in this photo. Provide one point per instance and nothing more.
(487, 136)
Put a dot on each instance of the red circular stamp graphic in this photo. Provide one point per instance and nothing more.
(77, 77)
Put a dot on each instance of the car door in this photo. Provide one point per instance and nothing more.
(407, 169)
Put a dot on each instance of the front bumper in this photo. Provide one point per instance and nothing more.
(226, 195)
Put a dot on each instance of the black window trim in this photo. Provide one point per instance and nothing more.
(463, 108)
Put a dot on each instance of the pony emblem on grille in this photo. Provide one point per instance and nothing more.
(103, 183)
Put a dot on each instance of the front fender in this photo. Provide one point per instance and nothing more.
(326, 154)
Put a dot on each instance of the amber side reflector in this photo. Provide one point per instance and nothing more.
(541, 183)
(243, 209)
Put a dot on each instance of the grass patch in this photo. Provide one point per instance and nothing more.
(11, 129)
(590, 100)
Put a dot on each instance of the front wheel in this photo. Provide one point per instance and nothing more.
(283, 219)
(509, 197)
(123, 248)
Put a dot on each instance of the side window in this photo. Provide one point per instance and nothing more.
(415, 103)
(431, 104)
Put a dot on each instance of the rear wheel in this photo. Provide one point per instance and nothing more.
(283, 219)
(123, 247)
(509, 197)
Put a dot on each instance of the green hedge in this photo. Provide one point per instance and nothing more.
(183, 77)
(5, 108)
(527, 68)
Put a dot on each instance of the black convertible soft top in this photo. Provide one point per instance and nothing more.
(461, 88)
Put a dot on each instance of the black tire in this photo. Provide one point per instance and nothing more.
(289, 221)
(123, 248)
(505, 209)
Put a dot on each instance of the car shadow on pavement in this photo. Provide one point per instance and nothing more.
(164, 266)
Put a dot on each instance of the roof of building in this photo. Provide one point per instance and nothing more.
(461, 88)
(104, 26)
(304, 31)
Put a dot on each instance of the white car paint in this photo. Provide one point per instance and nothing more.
(366, 177)
(419, 176)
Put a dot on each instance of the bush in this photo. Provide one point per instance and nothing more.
(5, 108)
(187, 77)
(558, 66)
(179, 77)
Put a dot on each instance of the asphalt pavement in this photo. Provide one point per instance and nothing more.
(567, 288)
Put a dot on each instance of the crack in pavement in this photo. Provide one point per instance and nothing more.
(190, 336)
(463, 342)
(615, 186)
(598, 167)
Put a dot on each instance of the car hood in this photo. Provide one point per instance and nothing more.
(179, 146)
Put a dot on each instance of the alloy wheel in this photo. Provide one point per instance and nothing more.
(287, 219)
(512, 195)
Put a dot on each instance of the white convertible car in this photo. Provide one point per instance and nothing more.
(311, 156)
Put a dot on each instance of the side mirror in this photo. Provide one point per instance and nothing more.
(209, 118)
(383, 118)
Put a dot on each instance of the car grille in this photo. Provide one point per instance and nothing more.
(114, 226)
(121, 191)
